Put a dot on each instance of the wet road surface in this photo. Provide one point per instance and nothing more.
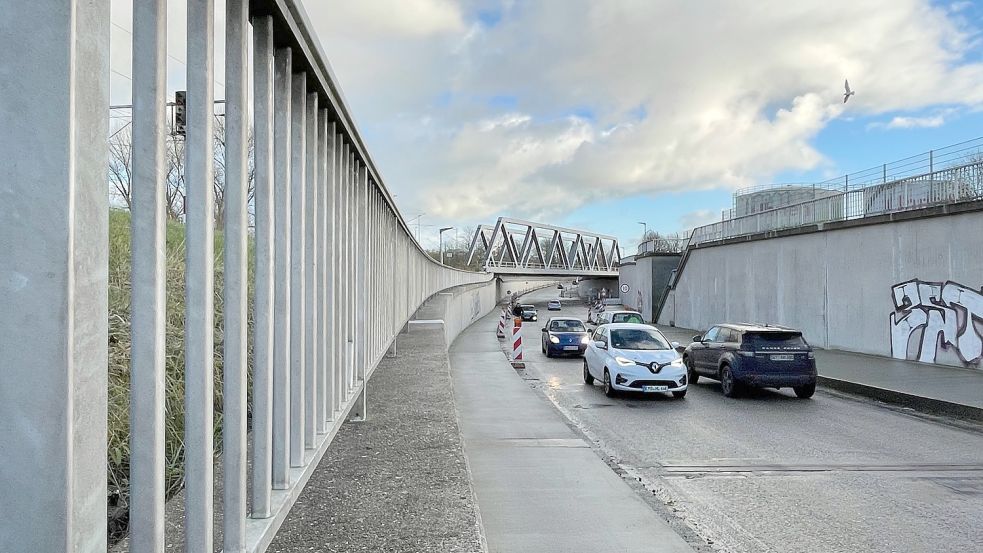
(771, 472)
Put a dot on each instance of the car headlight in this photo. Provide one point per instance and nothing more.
(624, 361)
(585, 340)
(676, 362)
(554, 339)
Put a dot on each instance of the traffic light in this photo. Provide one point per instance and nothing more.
(180, 112)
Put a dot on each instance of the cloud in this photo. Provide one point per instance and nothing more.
(700, 104)
(916, 122)
(698, 218)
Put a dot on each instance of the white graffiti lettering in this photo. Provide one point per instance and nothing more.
(944, 312)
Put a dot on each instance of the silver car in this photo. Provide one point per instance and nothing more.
(634, 357)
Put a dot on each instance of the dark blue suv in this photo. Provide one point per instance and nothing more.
(762, 356)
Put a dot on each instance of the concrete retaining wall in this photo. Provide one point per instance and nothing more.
(646, 277)
(459, 307)
(910, 289)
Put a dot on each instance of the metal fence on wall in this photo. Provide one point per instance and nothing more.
(337, 272)
(949, 175)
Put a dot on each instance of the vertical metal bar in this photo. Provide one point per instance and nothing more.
(352, 273)
(359, 256)
(337, 343)
(312, 311)
(298, 225)
(363, 277)
(236, 278)
(328, 257)
(54, 214)
(147, 220)
(263, 306)
(199, 327)
(347, 285)
(323, 206)
(281, 221)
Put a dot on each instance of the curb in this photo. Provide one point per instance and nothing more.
(927, 405)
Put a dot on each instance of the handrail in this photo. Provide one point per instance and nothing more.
(337, 273)
(948, 185)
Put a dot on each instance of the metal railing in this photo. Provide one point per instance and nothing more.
(950, 175)
(337, 273)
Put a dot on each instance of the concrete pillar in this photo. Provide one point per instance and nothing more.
(54, 95)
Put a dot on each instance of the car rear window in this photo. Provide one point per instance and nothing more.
(626, 318)
(567, 326)
(774, 339)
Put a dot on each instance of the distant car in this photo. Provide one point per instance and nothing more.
(529, 313)
(740, 355)
(634, 357)
(618, 316)
(563, 335)
(553, 305)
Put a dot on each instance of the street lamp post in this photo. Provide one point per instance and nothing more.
(645, 229)
(417, 219)
(440, 236)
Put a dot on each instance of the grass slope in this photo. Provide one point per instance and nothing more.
(120, 286)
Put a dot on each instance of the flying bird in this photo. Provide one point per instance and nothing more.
(847, 92)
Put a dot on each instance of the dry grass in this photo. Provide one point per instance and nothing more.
(120, 286)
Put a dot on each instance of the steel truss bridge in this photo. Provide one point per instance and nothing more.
(517, 247)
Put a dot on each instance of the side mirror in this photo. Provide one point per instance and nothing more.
(698, 338)
(675, 345)
(599, 344)
(544, 329)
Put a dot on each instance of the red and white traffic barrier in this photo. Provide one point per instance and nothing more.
(500, 332)
(517, 344)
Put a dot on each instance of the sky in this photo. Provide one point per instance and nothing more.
(602, 115)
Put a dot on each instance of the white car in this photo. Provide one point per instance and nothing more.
(554, 305)
(618, 316)
(634, 357)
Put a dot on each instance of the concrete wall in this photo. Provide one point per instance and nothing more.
(459, 307)
(909, 289)
(521, 285)
(587, 286)
(646, 277)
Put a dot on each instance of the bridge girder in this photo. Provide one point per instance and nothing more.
(515, 246)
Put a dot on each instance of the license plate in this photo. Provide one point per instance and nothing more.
(571, 348)
(782, 357)
(655, 388)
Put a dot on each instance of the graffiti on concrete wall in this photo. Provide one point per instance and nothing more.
(475, 305)
(941, 315)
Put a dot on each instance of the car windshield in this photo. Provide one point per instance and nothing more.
(567, 326)
(626, 318)
(775, 339)
(638, 339)
(529, 307)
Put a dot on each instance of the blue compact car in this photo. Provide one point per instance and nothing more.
(750, 355)
(564, 336)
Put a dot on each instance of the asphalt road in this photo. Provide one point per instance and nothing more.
(770, 472)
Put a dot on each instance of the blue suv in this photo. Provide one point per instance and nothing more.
(763, 356)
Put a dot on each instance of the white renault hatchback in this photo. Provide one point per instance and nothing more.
(634, 357)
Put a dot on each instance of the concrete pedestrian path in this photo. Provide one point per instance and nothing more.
(937, 389)
(539, 486)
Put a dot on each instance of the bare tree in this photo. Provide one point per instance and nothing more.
(120, 164)
(121, 170)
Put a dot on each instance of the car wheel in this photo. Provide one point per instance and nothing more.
(691, 376)
(549, 352)
(806, 391)
(680, 394)
(588, 378)
(608, 389)
(730, 386)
